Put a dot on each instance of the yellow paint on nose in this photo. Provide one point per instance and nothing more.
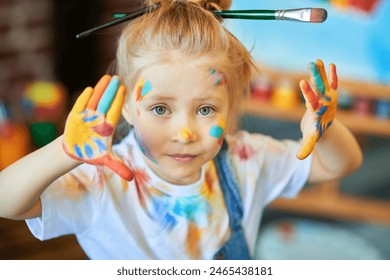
(186, 134)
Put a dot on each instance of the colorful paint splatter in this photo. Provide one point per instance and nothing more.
(186, 134)
(217, 131)
(144, 149)
(219, 77)
(322, 100)
(169, 211)
(326, 109)
(143, 88)
(91, 124)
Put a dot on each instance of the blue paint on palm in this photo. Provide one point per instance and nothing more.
(320, 130)
(88, 150)
(90, 119)
(78, 151)
(322, 110)
(100, 144)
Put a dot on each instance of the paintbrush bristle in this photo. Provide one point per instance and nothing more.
(318, 15)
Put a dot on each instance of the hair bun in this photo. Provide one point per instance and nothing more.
(145, 3)
(213, 5)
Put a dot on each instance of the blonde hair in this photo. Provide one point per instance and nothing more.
(190, 29)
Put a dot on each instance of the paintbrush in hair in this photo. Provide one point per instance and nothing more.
(118, 19)
(311, 15)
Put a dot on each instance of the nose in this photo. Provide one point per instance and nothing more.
(184, 133)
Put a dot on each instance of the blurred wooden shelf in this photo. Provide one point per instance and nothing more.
(326, 201)
(353, 87)
(361, 124)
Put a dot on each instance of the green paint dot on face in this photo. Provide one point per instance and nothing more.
(216, 131)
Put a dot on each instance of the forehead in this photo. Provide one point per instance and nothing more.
(182, 76)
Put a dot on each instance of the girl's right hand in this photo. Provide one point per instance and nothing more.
(91, 124)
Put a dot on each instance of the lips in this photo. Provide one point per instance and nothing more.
(182, 157)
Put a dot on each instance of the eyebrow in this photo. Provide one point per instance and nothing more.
(212, 97)
(160, 98)
(170, 98)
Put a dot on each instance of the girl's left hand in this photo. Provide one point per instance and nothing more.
(321, 104)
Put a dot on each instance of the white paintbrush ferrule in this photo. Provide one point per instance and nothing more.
(294, 14)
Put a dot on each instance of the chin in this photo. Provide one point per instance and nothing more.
(178, 173)
(183, 177)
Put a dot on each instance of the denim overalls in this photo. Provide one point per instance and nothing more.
(236, 247)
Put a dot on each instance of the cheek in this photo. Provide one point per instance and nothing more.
(145, 143)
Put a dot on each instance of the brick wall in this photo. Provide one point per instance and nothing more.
(37, 42)
(26, 44)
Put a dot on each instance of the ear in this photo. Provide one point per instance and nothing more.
(126, 112)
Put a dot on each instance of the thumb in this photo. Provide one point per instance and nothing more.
(119, 167)
(307, 146)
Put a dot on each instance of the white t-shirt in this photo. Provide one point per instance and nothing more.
(149, 218)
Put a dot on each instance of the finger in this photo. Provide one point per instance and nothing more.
(108, 95)
(98, 92)
(82, 100)
(333, 79)
(321, 70)
(311, 98)
(307, 147)
(115, 111)
(119, 168)
(316, 79)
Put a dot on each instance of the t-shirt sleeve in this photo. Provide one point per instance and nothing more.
(68, 204)
(267, 168)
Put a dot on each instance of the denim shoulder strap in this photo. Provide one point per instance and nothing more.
(230, 189)
(236, 247)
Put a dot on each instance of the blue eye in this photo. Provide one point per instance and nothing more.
(160, 110)
(206, 110)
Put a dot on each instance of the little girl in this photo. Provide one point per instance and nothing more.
(183, 184)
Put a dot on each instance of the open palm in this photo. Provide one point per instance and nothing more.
(91, 124)
(321, 104)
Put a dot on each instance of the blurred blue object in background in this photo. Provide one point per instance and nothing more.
(358, 43)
